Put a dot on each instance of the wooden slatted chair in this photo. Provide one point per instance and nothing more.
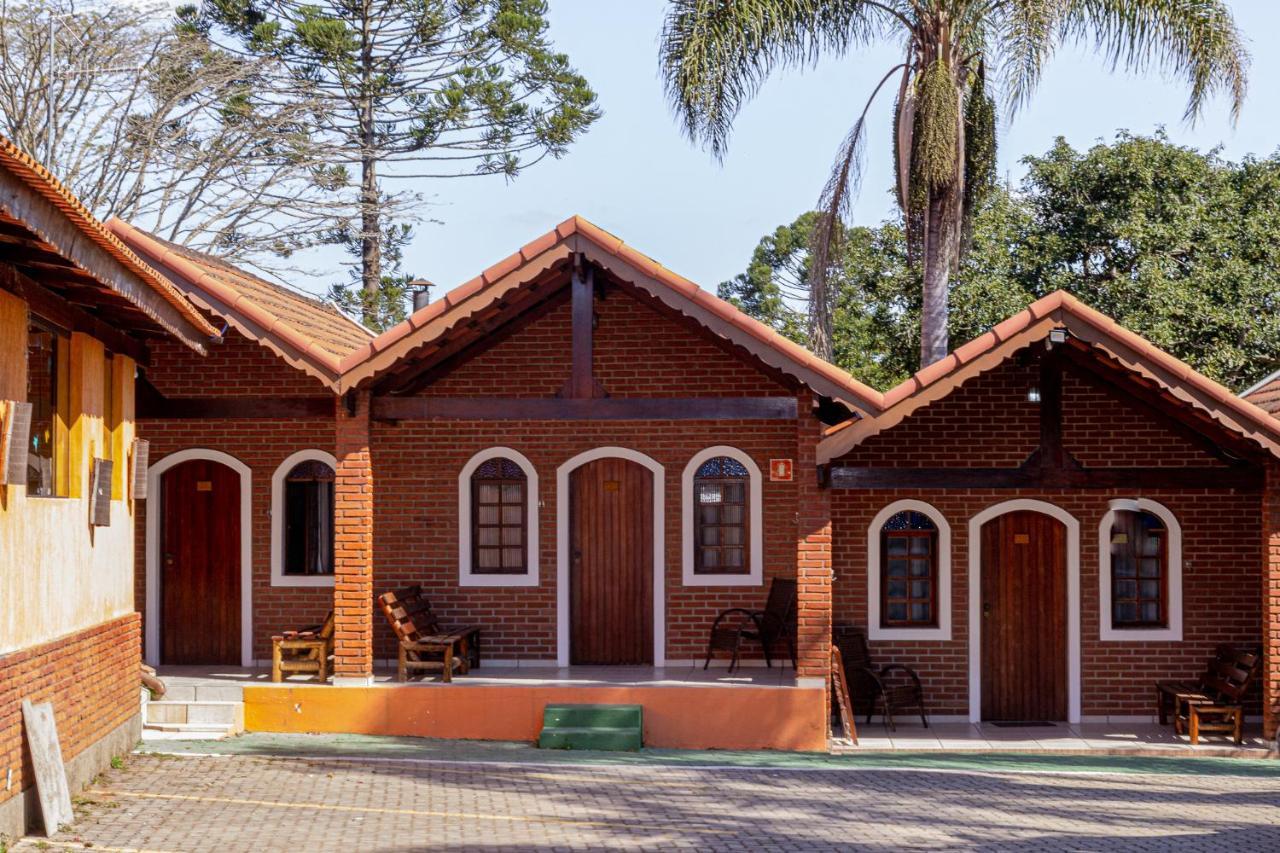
(426, 645)
(777, 622)
(304, 651)
(1218, 707)
(891, 688)
(1168, 690)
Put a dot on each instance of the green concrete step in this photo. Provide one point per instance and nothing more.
(598, 738)
(592, 716)
(599, 727)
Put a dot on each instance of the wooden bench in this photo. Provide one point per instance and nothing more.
(426, 645)
(1214, 703)
(304, 651)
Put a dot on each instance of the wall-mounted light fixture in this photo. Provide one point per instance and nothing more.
(1056, 336)
(1033, 394)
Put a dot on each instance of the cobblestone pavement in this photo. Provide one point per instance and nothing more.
(253, 803)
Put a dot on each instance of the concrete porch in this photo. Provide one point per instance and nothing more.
(1110, 738)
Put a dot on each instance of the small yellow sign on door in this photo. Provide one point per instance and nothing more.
(204, 485)
(1021, 538)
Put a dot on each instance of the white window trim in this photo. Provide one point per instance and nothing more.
(874, 629)
(155, 475)
(466, 577)
(1173, 629)
(1073, 600)
(755, 521)
(278, 576)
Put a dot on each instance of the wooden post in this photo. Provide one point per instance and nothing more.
(581, 384)
(353, 543)
(1271, 601)
(813, 555)
(1051, 453)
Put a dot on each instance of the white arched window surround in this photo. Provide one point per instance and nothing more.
(874, 629)
(755, 521)
(1173, 551)
(278, 577)
(465, 575)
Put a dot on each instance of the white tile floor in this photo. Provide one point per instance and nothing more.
(755, 676)
(1084, 737)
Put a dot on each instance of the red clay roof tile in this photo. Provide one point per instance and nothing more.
(41, 180)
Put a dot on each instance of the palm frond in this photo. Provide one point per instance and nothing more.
(1024, 38)
(1193, 39)
(715, 55)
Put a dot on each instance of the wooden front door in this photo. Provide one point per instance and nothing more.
(611, 563)
(200, 564)
(1024, 618)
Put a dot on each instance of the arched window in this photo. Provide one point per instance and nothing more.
(308, 519)
(722, 529)
(720, 517)
(499, 518)
(1141, 572)
(909, 571)
(302, 520)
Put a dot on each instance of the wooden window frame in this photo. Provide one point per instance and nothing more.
(934, 598)
(1138, 600)
(477, 480)
(744, 566)
(59, 415)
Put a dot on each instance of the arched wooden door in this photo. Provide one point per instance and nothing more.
(200, 564)
(1024, 618)
(611, 563)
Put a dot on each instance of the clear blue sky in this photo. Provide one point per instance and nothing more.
(634, 173)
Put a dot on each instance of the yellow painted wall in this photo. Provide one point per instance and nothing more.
(58, 574)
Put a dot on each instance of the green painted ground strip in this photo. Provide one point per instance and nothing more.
(367, 746)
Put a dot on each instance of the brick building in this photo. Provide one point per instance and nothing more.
(78, 312)
(1041, 524)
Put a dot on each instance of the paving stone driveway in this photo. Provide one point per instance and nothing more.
(269, 803)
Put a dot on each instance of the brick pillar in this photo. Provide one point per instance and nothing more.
(1271, 601)
(353, 544)
(813, 554)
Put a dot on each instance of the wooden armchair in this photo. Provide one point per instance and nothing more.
(425, 645)
(892, 688)
(1214, 703)
(306, 651)
(777, 622)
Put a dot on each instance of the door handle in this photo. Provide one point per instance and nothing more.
(986, 608)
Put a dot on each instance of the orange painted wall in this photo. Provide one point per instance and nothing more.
(674, 717)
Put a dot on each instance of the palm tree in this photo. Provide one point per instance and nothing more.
(716, 54)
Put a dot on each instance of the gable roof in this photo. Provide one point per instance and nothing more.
(77, 256)
(307, 332)
(574, 235)
(1265, 393)
(1059, 310)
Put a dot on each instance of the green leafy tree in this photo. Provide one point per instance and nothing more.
(412, 89)
(715, 55)
(1180, 246)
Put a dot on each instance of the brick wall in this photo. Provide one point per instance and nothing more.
(240, 367)
(990, 422)
(90, 676)
(416, 465)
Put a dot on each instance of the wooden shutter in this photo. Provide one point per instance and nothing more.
(100, 493)
(15, 440)
(139, 456)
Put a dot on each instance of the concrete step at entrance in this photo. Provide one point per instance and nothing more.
(219, 713)
(186, 731)
(196, 690)
(602, 727)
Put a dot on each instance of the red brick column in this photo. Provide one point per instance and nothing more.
(813, 552)
(353, 544)
(1271, 601)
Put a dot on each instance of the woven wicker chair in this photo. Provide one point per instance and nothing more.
(777, 622)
